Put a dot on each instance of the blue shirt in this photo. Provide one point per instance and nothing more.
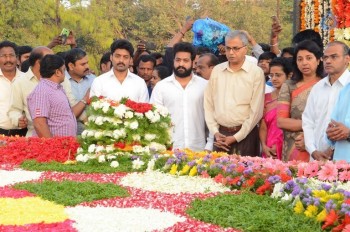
(79, 88)
(341, 113)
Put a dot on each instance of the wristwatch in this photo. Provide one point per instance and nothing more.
(83, 101)
(348, 138)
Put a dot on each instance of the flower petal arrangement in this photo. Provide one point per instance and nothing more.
(166, 188)
(124, 128)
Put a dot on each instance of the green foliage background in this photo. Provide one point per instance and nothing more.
(36, 22)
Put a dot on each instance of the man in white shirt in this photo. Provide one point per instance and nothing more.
(322, 98)
(119, 81)
(182, 93)
(9, 75)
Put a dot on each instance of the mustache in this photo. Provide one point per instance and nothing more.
(87, 70)
(181, 67)
(8, 63)
(121, 64)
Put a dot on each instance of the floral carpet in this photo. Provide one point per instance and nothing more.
(157, 202)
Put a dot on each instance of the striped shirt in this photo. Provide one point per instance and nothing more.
(50, 101)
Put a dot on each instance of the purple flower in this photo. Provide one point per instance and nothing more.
(207, 158)
(346, 194)
(225, 159)
(250, 163)
(134, 157)
(170, 161)
(289, 185)
(345, 208)
(307, 200)
(301, 180)
(180, 155)
(308, 191)
(316, 202)
(289, 172)
(199, 168)
(330, 205)
(232, 166)
(191, 163)
(296, 191)
(326, 187)
(247, 171)
(229, 170)
(274, 179)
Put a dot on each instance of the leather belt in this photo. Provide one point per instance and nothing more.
(230, 129)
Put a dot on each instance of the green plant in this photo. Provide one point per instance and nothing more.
(250, 212)
(70, 193)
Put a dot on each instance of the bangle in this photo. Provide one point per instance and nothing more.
(272, 45)
(83, 101)
(183, 35)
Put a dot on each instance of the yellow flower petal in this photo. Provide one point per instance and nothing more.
(29, 210)
(173, 169)
(193, 171)
(299, 208)
(311, 211)
(322, 216)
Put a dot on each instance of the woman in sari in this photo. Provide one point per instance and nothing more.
(271, 137)
(308, 70)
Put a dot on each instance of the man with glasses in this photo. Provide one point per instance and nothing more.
(8, 75)
(234, 99)
(325, 97)
(322, 98)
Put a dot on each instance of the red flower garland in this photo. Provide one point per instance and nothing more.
(341, 9)
(15, 150)
(138, 107)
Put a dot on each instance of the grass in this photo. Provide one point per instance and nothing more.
(92, 166)
(251, 213)
(71, 193)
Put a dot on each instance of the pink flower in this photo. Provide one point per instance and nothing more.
(311, 169)
(342, 164)
(344, 175)
(328, 172)
(301, 169)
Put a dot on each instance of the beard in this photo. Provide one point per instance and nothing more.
(182, 72)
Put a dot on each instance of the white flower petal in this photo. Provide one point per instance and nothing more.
(12, 177)
(121, 219)
(166, 183)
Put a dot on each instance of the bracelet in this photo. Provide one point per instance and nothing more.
(183, 35)
(83, 101)
(272, 45)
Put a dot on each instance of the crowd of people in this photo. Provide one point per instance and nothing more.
(288, 104)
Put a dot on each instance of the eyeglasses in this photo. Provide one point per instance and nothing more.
(234, 49)
(12, 55)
